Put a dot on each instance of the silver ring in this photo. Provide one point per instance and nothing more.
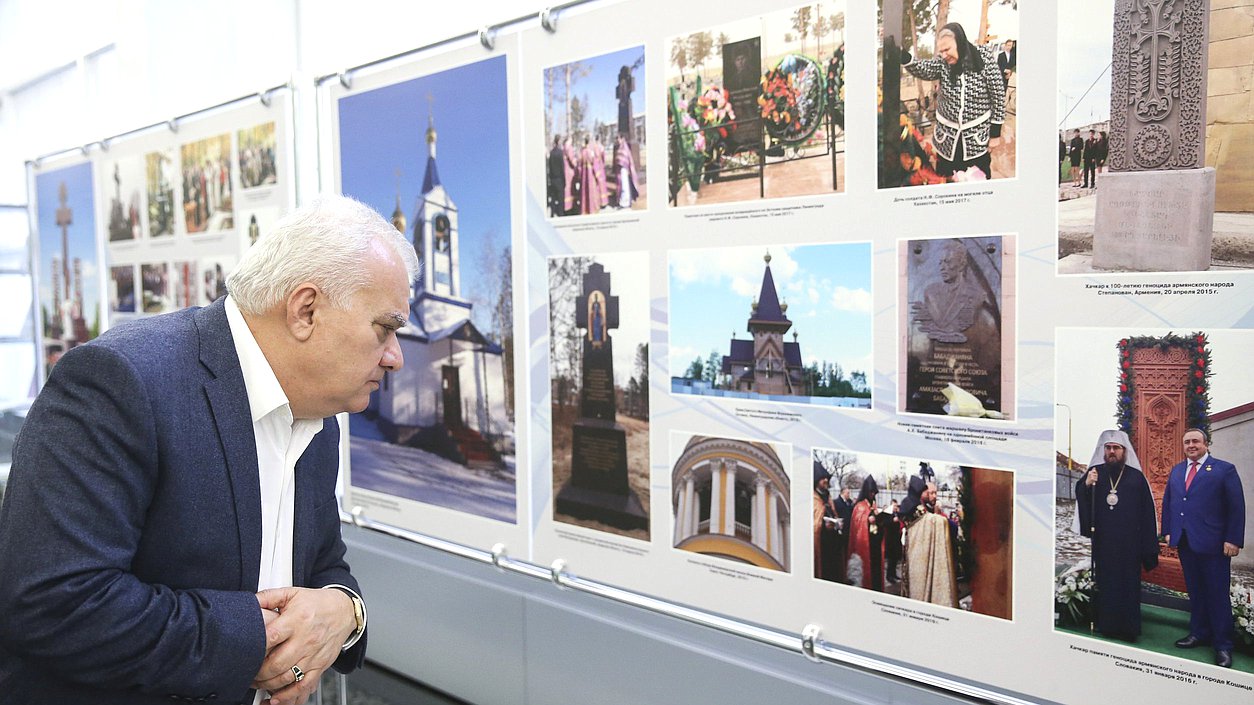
(300, 675)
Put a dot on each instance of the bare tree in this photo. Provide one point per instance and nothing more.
(840, 464)
(565, 336)
(801, 23)
(679, 56)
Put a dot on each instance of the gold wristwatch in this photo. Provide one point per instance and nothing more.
(359, 614)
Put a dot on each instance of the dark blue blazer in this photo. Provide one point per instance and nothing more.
(130, 535)
(1211, 512)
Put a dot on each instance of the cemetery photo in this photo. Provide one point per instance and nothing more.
(935, 532)
(69, 268)
(125, 178)
(433, 158)
(957, 324)
(730, 499)
(782, 324)
(594, 134)
(599, 381)
(159, 172)
(756, 107)
(1155, 127)
(208, 205)
(949, 85)
(1127, 546)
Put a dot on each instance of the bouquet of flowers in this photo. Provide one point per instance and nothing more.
(1073, 593)
(688, 143)
(713, 111)
(1242, 613)
(918, 156)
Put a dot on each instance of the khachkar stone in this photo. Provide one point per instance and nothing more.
(598, 487)
(1161, 375)
(1156, 205)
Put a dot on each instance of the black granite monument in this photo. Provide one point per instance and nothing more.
(598, 487)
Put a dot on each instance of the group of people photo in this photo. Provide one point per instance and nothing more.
(1082, 158)
(883, 525)
(594, 134)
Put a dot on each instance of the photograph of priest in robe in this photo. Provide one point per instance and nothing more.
(1142, 555)
(1122, 528)
(934, 532)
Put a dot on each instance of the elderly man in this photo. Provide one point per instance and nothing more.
(1204, 516)
(1116, 510)
(176, 478)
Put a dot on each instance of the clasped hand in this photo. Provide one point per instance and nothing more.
(304, 628)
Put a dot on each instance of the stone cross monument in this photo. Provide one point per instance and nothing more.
(598, 487)
(1156, 206)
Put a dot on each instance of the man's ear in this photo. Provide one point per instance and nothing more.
(301, 305)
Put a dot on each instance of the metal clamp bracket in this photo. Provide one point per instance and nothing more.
(498, 554)
(548, 19)
(487, 37)
(810, 637)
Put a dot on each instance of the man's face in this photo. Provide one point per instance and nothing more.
(951, 265)
(929, 494)
(1195, 445)
(1113, 453)
(844, 493)
(357, 345)
(947, 48)
(824, 483)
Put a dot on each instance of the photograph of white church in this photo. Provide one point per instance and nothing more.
(441, 429)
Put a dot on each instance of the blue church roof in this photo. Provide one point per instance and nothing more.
(432, 178)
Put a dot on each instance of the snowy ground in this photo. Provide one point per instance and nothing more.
(425, 477)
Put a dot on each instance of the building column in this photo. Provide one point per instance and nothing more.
(777, 528)
(693, 517)
(681, 515)
(760, 531)
(729, 497)
(716, 497)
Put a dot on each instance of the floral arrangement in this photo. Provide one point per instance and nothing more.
(1073, 594)
(836, 86)
(918, 156)
(713, 112)
(688, 143)
(1243, 613)
(792, 97)
(1198, 397)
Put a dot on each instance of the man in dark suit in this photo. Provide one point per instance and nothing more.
(1092, 151)
(1204, 517)
(176, 466)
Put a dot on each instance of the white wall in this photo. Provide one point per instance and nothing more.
(77, 71)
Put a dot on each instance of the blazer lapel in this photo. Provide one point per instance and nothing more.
(228, 400)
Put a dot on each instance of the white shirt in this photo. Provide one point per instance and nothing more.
(281, 440)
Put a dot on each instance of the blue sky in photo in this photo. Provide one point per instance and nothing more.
(598, 88)
(82, 233)
(827, 289)
(384, 130)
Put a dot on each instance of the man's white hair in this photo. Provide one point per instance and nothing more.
(324, 242)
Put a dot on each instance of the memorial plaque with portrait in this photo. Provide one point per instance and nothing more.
(954, 326)
(742, 77)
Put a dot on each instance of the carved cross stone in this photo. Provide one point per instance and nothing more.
(1158, 90)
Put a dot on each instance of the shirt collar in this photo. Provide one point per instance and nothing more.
(1201, 462)
(265, 394)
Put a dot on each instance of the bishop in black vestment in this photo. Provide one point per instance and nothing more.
(1116, 511)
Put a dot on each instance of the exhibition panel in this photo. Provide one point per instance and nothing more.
(676, 255)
